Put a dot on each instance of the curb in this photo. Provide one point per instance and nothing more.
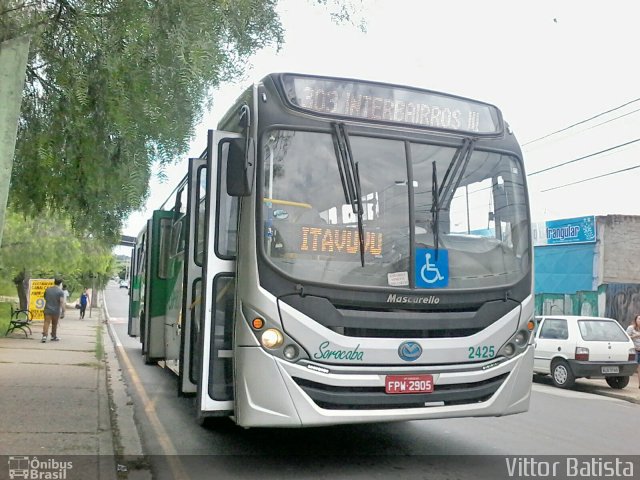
(590, 386)
(130, 457)
(612, 394)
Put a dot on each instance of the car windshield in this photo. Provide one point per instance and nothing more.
(310, 230)
(602, 330)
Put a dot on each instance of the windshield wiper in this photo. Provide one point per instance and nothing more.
(450, 183)
(435, 211)
(350, 178)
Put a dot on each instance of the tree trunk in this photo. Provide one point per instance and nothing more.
(21, 282)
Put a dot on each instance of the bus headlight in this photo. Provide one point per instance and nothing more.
(509, 349)
(516, 344)
(271, 338)
(521, 338)
(290, 352)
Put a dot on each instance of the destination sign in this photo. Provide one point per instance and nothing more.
(388, 103)
(331, 240)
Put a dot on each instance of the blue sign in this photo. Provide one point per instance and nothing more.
(409, 351)
(432, 270)
(571, 230)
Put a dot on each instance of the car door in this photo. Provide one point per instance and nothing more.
(551, 341)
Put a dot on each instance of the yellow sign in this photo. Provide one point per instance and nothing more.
(37, 286)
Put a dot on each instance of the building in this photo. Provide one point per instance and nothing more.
(588, 266)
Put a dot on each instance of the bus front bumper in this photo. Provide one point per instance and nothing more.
(274, 393)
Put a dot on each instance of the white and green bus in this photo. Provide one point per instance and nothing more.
(345, 251)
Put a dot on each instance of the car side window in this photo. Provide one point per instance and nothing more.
(555, 328)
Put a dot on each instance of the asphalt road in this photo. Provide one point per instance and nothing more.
(559, 423)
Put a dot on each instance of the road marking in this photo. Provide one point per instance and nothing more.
(149, 408)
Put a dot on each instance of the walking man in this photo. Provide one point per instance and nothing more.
(53, 298)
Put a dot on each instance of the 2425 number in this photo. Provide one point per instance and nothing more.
(481, 352)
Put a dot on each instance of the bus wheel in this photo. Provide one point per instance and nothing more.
(213, 423)
(561, 374)
(617, 382)
(210, 423)
(148, 360)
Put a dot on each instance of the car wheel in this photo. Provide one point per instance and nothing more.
(617, 382)
(561, 374)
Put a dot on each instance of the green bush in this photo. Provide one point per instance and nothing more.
(5, 313)
(7, 288)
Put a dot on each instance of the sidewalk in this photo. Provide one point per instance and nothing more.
(598, 386)
(54, 399)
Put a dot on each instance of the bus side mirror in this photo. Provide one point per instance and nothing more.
(241, 159)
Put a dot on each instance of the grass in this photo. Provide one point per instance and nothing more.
(5, 314)
(7, 288)
(99, 344)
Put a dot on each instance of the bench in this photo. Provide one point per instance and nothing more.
(20, 320)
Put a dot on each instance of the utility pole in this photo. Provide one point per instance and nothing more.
(14, 54)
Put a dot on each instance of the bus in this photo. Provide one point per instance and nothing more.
(343, 251)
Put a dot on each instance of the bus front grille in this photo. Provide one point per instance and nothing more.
(331, 397)
(406, 333)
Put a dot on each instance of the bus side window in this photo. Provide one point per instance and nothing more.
(166, 229)
(227, 218)
(200, 206)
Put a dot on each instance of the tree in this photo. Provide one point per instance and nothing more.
(47, 247)
(115, 87)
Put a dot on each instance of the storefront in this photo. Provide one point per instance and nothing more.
(588, 266)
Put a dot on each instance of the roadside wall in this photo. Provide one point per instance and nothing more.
(619, 249)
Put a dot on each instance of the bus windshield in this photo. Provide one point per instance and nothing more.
(311, 231)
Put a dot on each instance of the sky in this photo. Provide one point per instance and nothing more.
(547, 64)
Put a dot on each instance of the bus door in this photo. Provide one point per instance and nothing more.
(155, 304)
(137, 262)
(215, 385)
(193, 261)
(173, 320)
(145, 268)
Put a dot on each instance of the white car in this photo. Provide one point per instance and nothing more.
(124, 284)
(569, 347)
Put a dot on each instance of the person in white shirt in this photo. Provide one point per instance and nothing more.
(633, 331)
(63, 305)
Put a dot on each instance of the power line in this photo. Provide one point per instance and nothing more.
(613, 119)
(584, 157)
(591, 178)
(608, 121)
(580, 123)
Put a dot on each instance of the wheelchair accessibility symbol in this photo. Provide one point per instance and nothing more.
(432, 272)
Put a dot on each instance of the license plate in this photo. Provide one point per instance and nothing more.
(408, 384)
(610, 369)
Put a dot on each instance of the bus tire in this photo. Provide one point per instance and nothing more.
(148, 360)
(561, 374)
(213, 423)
